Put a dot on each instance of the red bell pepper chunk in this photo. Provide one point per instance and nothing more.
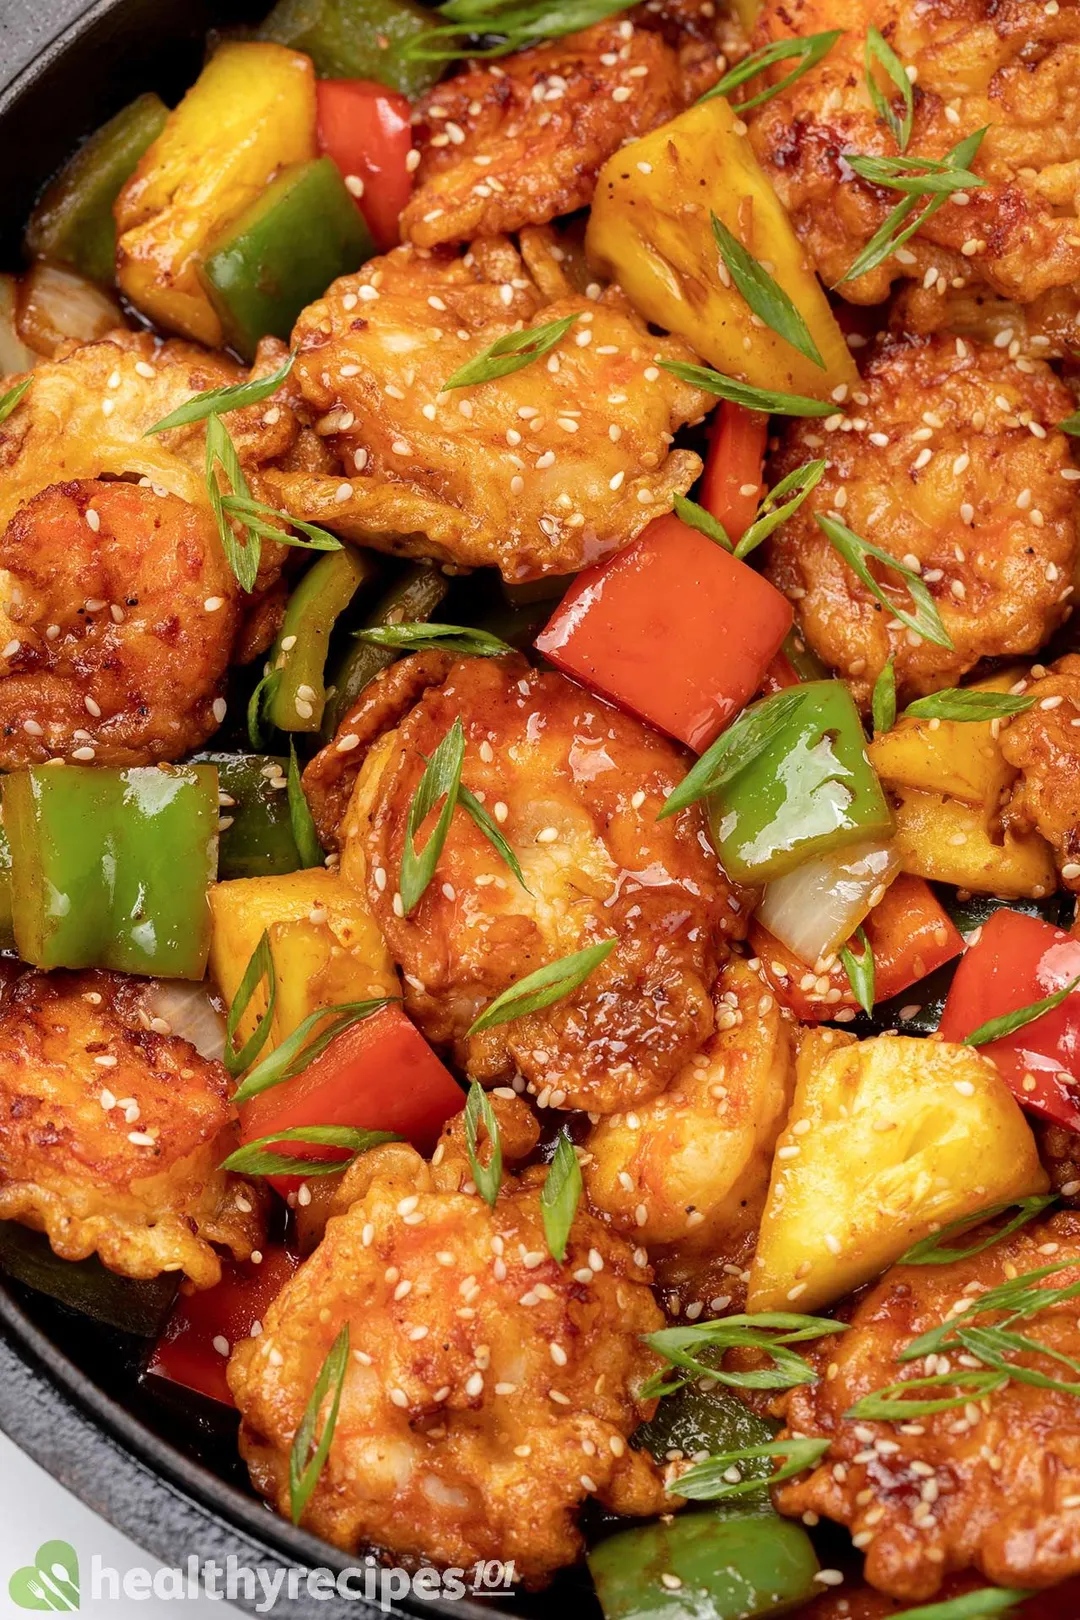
(674, 629)
(378, 1075)
(910, 935)
(1015, 961)
(731, 485)
(191, 1349)
(780, 673)
(366, 129)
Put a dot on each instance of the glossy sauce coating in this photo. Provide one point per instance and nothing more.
(575, 787)
(540, 471)
(989, 1486)
(489, 1390)
(541, 125)
(952, 462)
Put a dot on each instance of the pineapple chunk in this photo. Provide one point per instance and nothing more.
(325, 945)
(958, 758)
(888, 1140)
(650, 231)
(250, 112)
(948, 842)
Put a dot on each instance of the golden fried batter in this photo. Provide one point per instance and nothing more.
(1045, 329)
(117, 617)
(1008, 64)
(708, 37)
(330, 777)
(691, 1168)
(86, 414)
(112, 574)
(1044, 746)
(538, 472)
(111, 1134)
(993, 1485)
(490, 1390)
(521, 140)
(952, 462)
(575, 787)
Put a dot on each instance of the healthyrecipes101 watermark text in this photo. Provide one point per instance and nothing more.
(52, 1582)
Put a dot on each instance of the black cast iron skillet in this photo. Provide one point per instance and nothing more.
(162, 1467)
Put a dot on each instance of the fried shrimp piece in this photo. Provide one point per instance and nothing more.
(331, 776)
(521, 141)
(534, 473)
(690, 1169)
(708, 38)
(1004, 65)
(87, 412)
(117, 617)
(111, 1135)
(990, 1486)
(1044, 746)
(1044, 329)
(490, 1390)
(952, 462)
(575, 787)
(112, 575)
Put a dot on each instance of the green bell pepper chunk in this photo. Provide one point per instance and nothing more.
(811, 790)
(73, 223)
(110, 868)
(693, 1420)
(283, 252)
(7, 931)
(253, 796)
(805, 662)
(138, 1307)
(412, 598)
(728, 1566)
(296, 695)
(357, 39)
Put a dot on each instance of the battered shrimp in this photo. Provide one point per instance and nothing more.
(948, 458)
(111, 1135)
(491, 1390)
(575, 787)
(117, 616)
(537, 472)
(521, 141)
(1006, 66)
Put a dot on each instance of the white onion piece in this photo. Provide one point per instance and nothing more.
(14, 355)
(55, 304)
(814, 909)
(190, 1012)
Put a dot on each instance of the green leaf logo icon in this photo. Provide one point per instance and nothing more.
(50, 1582)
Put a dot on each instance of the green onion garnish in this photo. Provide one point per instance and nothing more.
(306, 1464)
(547, 985)
(216, 401)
